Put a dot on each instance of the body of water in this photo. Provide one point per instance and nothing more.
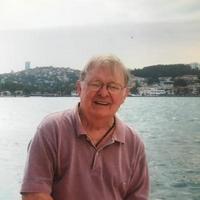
(169, 126)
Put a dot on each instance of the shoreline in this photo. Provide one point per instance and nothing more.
(78, 96)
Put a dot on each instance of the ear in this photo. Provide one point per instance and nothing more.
(125, 94)
(78, 87)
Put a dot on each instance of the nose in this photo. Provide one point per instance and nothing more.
(103, 91)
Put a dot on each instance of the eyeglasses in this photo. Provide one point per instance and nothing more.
(113, 88)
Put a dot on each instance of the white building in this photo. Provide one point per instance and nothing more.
(5, 93)
(27, 65)
(195, 65)
(151, 91)
(141, 81)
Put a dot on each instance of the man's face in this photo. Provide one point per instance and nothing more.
(102, 102)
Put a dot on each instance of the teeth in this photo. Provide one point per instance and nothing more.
(100, 102)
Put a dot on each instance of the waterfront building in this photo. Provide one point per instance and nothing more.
(5, 93)
(151, 91)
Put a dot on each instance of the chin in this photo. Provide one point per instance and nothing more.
(103, 114)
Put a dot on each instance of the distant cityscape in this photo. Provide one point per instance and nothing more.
(157, 80)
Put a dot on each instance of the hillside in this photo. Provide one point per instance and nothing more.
(52, 81)
(49, 80)
(172, 70)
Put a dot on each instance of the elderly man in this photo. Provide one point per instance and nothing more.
(88, 153)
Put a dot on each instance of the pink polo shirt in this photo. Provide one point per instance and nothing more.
(65, 164)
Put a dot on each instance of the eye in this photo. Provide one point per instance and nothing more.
(95, 85)
(114, 87)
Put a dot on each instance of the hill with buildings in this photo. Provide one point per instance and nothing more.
(175, 79)
(157, 80)
(39, 81)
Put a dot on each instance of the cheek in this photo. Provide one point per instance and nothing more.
(125, 94)
(86, 96)
(118, 101)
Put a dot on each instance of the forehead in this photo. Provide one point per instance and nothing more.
(106, 73)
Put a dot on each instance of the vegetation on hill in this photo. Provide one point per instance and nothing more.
(45, 80)
(173, 70)
(53, 81)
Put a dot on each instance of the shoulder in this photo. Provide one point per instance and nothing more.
(129, 133)
(57, 119)
(135, 146)
(53, 128)
(132, 139)
(134, 136)
(55, 125)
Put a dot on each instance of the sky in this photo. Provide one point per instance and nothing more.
(65, 33)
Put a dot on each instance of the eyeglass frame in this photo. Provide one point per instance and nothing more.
(113, 88)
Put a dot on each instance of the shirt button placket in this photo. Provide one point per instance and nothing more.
(95, 161)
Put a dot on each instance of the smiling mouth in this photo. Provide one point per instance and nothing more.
(102, 103)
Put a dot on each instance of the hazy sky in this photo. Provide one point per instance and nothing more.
(67, 33)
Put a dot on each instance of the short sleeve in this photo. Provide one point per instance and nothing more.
(40, 163)
(139, 184)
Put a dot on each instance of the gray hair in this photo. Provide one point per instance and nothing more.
(110, 61)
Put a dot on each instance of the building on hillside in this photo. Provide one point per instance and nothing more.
(194, 89)
(2, 81)
(188, 78)
(27, 65)
(167, 84)
(5, 93)
(18, 92)
(74, 93)
(141, 81)
(181, 90)
(151, 91)
(195, 65)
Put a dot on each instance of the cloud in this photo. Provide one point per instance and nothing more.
(23, 14)
(136, 44)
(67, 33)
(161, 10)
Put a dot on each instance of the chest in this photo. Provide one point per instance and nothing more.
(108, 167)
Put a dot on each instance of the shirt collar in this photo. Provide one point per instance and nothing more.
(118, 134)
(78, 124)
